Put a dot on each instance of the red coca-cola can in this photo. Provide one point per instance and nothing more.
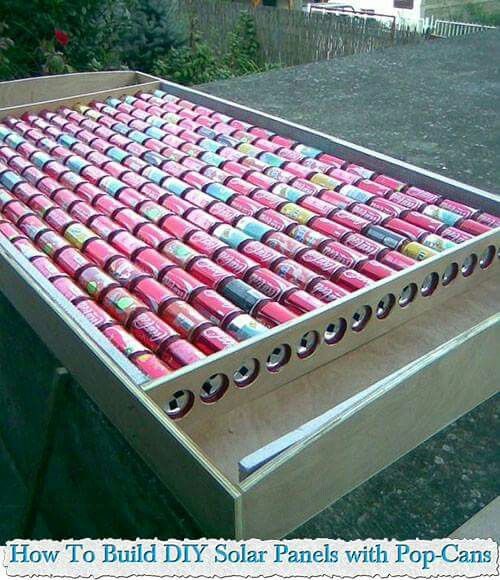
(411, 203)
(124, 271)
(320, 263)
(364, 245)
(68, 289)
(331, 159)
(130, 197)
(120, 304)
(319, 205)
(246, 205)
(152, 235)
(46, 267)
(349, 257)
(397, 261)
(235, 262)
(350, 221)
(388, 207)
(129, 219)
(15, 211)
(126, 243)
(371, 214)
(329, 228)
(190, 163)
(425, 222)
(152, 191)
(96, 315)
(240, 186)
(473, 227)
(41, 204)
(180, 353)
(360, 171)
(195, 197)
(65, 197)
(205, 243)
(296, 273)
(10, 231)
(405, 228)
(352, 280)
(213, 306)
(272, 314)
(300, 301)
(326, 291)
(182, 317)
(150, 365)
(150, 330)
(262, 254)
(375, 270)
(153, 262)
(208, 272)
(298, 170)
(51, 243)
(390, 182)
(375, 188)
(284, 244)
(488, 220)
(153, 294)
(72, 261)
(425, 196)
(235, 168)
(260, 180)
(28, 223)
(123, 340)
(90, 193)
(83, 212)
(178, 227)
(224, 213)
(212, 339)
(270, 284)
(107, 205)
(59, 220)
(275, 220)
(456, 235)
(182, 283)
(95, 282)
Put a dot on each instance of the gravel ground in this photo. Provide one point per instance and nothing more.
(435, 105)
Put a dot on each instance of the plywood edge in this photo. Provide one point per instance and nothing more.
(393, 417)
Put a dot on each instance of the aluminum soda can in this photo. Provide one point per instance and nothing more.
(46, 267)
(213, 306)
(235, 262)
(272, 314)
(103, 226)
(283, 141)
(209, 272)
(224, 212)
(23, 244)
(269, 283)
(260, 180)
(388, 207)
(254, 228)
(326, 291)
(384, 236)
(198, 198)
(150, 330)
(123, 340)
(28, 223)
(15, 210)
(205, 243)
(41, 204)
(296, 273)
(212, 339)
(411, 203)
(326, 181)
(97, 316)
(437, 242)
(425, 196)
(473, 227)
(182, 317)
(267, 199)
(150, 365)
(25, 192)
(364, 245)
(295, 194)
(349, 257)
(120, 304)
(488, 220)
(95, 282)
(246, 205)
(126, 243)
(51, 242)
(130, 196)
(396, 261)
(284, 244)
(153, 262)
(65, 197)
(243, 327)
(200, 219)
(317, 205)
(152, 235)
(352, 280)
(78, 234)
(404, 228)
(152, 293)
(443, 215)
(337, 200)
(262, 254)
(329, 228)
(344, 176)
(425, 222)
(376, 188)
(182, 283)
(390, 182)
(298, 170)
(360, 171)
(82, 212)
(240, 186)
(230, 235)
(152, 211)
(68, 289)
(177, 227)
(100, 252)
(300, 301)
(124, 271)
(129, 219)
(320, 263)
(71, 261)
(417, 251)
(373, 215)
(276, 221)
(349, 220)
(375, 270)
(307, 236)
(456, 235)
(241, 294)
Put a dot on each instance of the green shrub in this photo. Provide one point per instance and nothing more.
(244, 48)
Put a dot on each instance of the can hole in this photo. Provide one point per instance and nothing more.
(469, 265)
(214, 388)
(487, 257)
(307, 344)
(407, 295)
(335, 331)
(360, 318)
(450, 274)
(278, 358)
(385, 306)
(246, 373)
(179, 404)
(429, 284)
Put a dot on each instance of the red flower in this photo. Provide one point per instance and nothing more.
(61, 37)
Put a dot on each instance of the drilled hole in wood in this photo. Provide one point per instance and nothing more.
(408, 295)
(385, 305)
(278, 358)
(360, 318)
(429, 284)
(214, 388)
(335, 331)
(179, 404)
(487, 257)
(307, 344)
(450, 274)
(246, 373)
(469, 265)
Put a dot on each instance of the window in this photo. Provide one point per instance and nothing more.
(406, 4)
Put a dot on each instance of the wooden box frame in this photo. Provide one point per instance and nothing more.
(445, 360)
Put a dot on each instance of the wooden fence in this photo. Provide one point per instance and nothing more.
(292, 37)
